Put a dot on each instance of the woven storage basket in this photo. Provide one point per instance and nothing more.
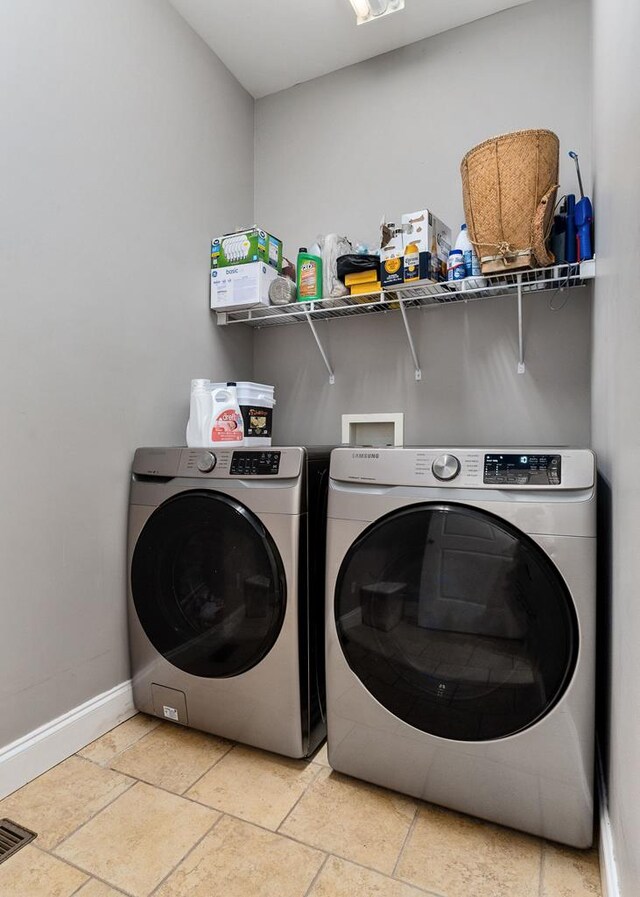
(509, 186)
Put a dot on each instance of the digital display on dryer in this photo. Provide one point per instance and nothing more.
(522, 470)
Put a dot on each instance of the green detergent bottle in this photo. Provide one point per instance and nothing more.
(309, 274)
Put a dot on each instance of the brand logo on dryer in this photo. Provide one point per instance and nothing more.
(369, 456)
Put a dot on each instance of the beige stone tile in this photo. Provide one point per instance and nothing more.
(570, 873)
(119, 739)
(239, 860)
(136, 841)
(342, 879)
(58, 802)
(95, 888)
(33, 873)
(171, 756)
(254, 785)
(322, 756)
(457, 856)
(353, 819)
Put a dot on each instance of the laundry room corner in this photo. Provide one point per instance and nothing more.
(319, 531)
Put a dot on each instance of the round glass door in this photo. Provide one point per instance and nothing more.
(456, 622)
(208, 585)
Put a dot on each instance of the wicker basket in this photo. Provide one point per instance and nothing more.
(509, 186)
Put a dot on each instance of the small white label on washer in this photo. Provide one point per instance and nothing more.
(170, 713)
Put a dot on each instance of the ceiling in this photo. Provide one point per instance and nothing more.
(270, 45)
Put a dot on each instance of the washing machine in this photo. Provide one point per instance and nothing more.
(226, 592)
(460, 630)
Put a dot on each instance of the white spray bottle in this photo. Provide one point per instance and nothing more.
(199, 426)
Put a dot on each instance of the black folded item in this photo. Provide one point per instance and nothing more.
(354, 264)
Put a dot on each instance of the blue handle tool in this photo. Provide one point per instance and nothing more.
(583, 219)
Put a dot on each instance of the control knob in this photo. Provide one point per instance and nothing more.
(446, 467)
(206, 462)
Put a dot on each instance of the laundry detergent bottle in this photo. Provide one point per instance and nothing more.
(199, 426)
(309, 274)
(227, 427)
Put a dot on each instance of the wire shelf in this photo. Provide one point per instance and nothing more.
(419, 295)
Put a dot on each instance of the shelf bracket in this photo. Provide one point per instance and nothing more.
(521, 367)
(312, 326)
(412, 347)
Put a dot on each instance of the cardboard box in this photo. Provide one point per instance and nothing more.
(245, 248)
(391, 261)
(242, 286)
(425, 232)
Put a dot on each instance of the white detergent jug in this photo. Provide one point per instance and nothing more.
(200, 411)
(226, 422)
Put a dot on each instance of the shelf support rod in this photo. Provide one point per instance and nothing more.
(412, 347)
(521, 368)
(327, 363)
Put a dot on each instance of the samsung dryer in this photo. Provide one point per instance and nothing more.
(226, 592)
(461, 599)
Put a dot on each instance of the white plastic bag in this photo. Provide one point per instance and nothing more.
(332, 246)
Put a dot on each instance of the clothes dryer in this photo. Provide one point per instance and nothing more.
(226, 592)
(461, 599)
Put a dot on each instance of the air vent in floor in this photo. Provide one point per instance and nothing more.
(12, 838)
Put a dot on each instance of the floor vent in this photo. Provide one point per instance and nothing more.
(12, 838)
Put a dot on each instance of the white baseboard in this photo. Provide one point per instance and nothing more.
(35, 753)
(608, 868)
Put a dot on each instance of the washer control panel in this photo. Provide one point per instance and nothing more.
(256, 464)
(522, 470)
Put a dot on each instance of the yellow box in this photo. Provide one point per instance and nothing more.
(359, 289)
(361, 277)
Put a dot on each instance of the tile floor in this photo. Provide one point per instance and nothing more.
(154, 809)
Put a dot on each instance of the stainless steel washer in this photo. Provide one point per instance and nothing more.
(460, 629)
(226, 592)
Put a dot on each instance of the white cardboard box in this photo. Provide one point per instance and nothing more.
(431, 236)
(242, 286)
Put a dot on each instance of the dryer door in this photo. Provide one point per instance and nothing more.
(456, 622)
(208, 584)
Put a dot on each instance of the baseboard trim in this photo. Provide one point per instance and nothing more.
(608, 867)
(39, 750)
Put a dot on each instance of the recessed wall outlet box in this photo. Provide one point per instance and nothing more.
(431, 238)
(381, 428)
(246, 247)
(241, 286)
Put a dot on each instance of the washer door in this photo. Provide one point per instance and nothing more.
(208, 585)
(456, 622)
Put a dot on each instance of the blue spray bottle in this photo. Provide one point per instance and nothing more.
(583, 218)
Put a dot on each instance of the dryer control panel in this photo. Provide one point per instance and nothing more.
(497, 468)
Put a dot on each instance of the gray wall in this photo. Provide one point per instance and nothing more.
(126, 144)
(387, 136)
(616, 418)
